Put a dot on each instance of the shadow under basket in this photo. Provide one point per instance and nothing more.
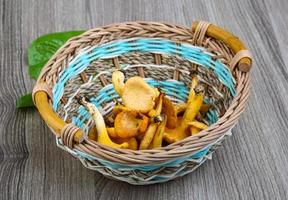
(165, 55)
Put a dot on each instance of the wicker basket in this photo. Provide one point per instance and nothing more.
(165, 55)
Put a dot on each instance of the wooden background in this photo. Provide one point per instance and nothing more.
(253, 164)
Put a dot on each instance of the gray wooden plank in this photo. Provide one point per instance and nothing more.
(280, 25)
(251, 165)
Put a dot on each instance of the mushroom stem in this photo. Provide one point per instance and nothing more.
(149, 134)
(180, 108)
(194, 83)
(194, 130)
(193, 106)
(118, 78)
(158, 137)
(143, 124)
(198, 125)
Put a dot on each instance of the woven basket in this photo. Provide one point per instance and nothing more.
(165, 55)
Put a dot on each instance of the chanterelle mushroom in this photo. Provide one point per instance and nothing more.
(126, 124)
(118, 78)
(136, 93)
(103, 136)
(180, 132)
(196, 127)
(149, 134)
(158, 137)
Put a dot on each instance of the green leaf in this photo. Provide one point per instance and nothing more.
(25, 101)
(43, 48)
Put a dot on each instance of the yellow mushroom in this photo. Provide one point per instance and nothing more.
(158, 137)
(133, 144)
(176, 134)
(180, 108)
(111, 132)
(149, 134)
(152, 113)
(196, 127)
(136, 93)
(103, 136)
(197, 124)
(129, 123)
(194, 105)
(194, 83)
(126, 124)
(194, 130)
(119, 108)
(92, 134)
(170, 111)
(180, 132)
(118, 78)
(143, 124)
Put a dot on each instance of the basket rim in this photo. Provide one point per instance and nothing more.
(230, 117)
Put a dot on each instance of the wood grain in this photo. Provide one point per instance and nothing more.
(251, 165)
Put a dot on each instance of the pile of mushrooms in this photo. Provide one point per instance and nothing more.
(146, 118)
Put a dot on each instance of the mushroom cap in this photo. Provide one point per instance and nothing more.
(176, 134)
(138, 95)
(126, 124)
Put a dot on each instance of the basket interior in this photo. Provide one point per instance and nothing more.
(89, 74)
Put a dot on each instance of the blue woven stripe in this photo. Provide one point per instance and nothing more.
(116, 48)
(173, 163)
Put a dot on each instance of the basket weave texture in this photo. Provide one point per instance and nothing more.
(163, 54)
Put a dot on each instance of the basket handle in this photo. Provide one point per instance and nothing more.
(242, 56)
(41, 93)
